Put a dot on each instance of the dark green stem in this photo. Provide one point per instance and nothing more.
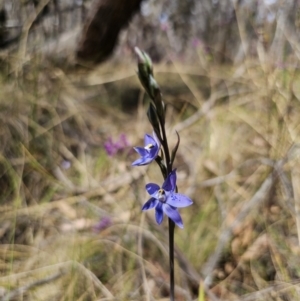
(171, 259)
(166, 147)
(171, 223)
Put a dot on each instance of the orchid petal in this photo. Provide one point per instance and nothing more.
(173, 214)
(159, 213)
(152, 188)
(179, 200)
(149, 140)
(151, 203)
(170, 182)
(141, 151)
(156, 140)
(141, 161)
(154, 152)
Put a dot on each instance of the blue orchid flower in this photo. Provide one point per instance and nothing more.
(149, 152)
(166, 200)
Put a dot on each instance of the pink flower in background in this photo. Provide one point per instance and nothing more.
(104, 223)
(112, 148)
(195, 42)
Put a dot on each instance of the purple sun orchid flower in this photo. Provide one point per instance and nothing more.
(149, 152)
(166, 200)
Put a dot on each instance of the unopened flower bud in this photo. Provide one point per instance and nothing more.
(144, 62)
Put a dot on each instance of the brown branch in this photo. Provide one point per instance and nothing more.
(101, 30)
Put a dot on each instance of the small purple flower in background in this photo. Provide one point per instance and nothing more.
(122, 142)
(113, 148)
(166, 200)
(149, 152)
(110, 147)
(65, 164)
(196, 42)
(104, 223)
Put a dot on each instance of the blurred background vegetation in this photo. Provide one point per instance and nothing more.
(71, 226)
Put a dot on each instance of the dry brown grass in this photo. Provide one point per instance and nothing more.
(238, 161)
